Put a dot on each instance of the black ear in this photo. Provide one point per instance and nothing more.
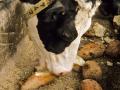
(30, 1)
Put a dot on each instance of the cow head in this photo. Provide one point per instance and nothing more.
(56, 25)
(57, 30)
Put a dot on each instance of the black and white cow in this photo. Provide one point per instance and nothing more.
(52, 38)
(60, 31)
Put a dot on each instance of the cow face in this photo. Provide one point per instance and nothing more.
(56, 25)
(57, 31)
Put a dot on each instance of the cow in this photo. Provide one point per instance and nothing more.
(51, 38)
(60, 31)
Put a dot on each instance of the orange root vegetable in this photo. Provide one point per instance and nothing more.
(37, 80)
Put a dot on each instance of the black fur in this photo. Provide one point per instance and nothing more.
(30, 1)
(110, 7)
(57, 30)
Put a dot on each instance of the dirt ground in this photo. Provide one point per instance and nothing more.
(73, 79)
(67, 82)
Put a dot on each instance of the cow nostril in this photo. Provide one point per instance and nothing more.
(66, 35)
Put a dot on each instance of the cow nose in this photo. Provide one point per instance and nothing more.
(66, 35)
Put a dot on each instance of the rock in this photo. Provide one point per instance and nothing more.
(91, 70)
(107, 39)
(91, 50)
(90, 84)
(113, 49)
(116, 20)
(109, 63)
(97, 30)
